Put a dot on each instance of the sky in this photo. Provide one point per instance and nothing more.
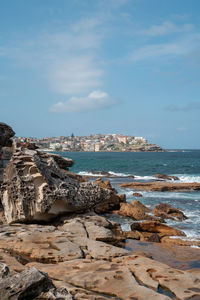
(104, 66)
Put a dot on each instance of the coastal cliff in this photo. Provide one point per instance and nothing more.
(54, 244)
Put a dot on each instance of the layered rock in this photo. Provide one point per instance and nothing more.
(156, 227)
(166, 177)
(162, 186)
(35, 188)
(135, 210)
(166, 211)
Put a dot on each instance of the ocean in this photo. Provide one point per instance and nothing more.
(184, 164)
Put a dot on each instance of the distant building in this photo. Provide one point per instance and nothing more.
(97, 147)
(122, 139)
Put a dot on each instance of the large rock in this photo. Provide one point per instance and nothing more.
(166, 211)
(6, 133)
(135, 210)
(162, 186)
(166, 177)
(30, 284)
(156, 227)
(35, 188)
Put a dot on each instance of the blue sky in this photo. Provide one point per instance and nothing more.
(107, 66)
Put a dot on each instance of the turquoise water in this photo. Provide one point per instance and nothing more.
(143, 165)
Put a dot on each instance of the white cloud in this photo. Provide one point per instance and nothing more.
(94, 101)
(166, 28)
(75, 75)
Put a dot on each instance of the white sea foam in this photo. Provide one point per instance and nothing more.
(126, 227)
(144, 177)
(119, 174)
(194, 246)
(110, 173)
(188, 178)
(84, 173)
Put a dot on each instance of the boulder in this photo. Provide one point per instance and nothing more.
(104, 184)
(137, 194)
(156, 227)
(36, 189)
(6, 133)
(166, 177)
(162, 186)
(135, 210)
(166, 211)
(26, 285)
(113, 202)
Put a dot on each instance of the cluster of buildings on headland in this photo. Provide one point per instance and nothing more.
(94, 143)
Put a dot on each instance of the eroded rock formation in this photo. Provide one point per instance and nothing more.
(35, 188)
(6, 133)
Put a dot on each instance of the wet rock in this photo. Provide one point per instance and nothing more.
(135, 210)
(180, 242)
(111, 203)
(36, 189)
(156, 227)
(137, 195)
(104, 184)
(154, 238)
(166, 177)
(162, 186)
(166, 211)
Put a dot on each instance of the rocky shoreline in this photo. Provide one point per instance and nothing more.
(56, 244)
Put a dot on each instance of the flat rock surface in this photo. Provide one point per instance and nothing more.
(162, 186)
(79, 255)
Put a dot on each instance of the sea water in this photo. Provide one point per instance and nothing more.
(184, 164)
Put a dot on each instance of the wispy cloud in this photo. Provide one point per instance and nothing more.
(68, 58)
(75, 75)
(181, 129)
(176, 48)
(185, 108)
(95, 100)
(166, 28)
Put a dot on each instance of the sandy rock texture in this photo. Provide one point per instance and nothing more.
(80, 255)
(36, 189)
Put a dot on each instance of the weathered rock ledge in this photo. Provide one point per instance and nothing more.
(162, 186)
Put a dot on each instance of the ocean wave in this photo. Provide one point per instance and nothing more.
(84, 173)
(194, 246)
(144, 177)
(104, 174)
(119, 174)
(188, 178)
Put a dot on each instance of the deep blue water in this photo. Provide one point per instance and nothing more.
(184, 164)
(138, 163)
